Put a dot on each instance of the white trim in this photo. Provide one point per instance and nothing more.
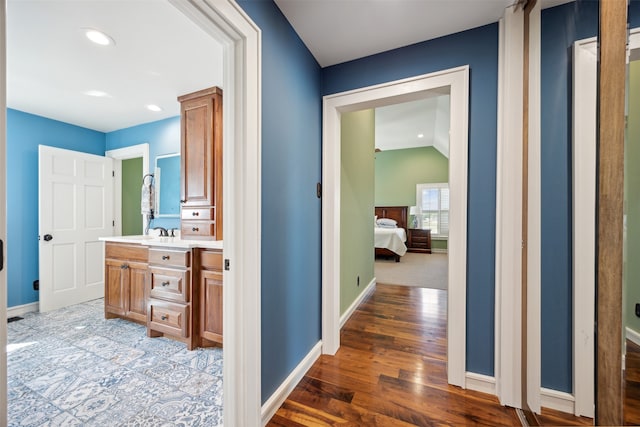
(3, 216)
(386, 94)
(119, 154)
(584, 228)
(19, 310)
(481, 383)
(632, 335)
(365, 292)
(508, 269)
(534, 215)
(276, 400)
(558, 400)
(439, 251)
(241, 41)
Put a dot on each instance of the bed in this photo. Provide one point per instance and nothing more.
(390, 241)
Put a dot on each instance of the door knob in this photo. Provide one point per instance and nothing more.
(47, 237)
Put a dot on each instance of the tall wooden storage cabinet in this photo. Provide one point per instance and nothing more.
(201, 164)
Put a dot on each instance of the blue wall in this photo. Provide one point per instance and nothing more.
(479, 49)
(24, 133)
(291, 167)
(561, 27)
(163, 137)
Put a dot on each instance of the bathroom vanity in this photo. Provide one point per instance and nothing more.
(171, 285)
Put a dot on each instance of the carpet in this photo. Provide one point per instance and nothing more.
(414, 269)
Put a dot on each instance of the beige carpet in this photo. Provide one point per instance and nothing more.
(414, 269)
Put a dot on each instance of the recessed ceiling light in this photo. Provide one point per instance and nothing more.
(98, 37)
(97, 93)
(420, 135)
(153, 107)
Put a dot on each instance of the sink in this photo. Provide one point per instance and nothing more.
(139, 237)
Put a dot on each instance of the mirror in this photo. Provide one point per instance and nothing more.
(167, 180)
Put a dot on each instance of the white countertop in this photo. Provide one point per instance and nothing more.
(168, 242)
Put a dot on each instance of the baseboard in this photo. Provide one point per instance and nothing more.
(276, 400)
(439, 251)
(347, 314)
(479, 382)
(558, 400)
(19, 310)
(632, 335)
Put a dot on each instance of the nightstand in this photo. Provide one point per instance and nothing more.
(419, 240)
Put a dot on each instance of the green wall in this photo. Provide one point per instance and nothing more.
(131, 189)
(357, 203)
(398, 172)
(632, 200)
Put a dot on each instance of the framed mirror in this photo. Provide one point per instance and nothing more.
(167, 180)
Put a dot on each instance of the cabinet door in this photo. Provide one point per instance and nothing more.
(197, 153)
(211, 305)
(115, 281)
(137, 295)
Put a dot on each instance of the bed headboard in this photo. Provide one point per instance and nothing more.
(398, 213)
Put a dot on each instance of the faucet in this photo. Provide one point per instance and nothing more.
(172, 232)
(163, 231)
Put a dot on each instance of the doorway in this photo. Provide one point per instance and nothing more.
(457, 80)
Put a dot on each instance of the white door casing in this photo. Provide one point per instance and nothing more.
(75, 195)
(457, 79)
(3, 219)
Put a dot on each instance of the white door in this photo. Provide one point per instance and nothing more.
(75, 198)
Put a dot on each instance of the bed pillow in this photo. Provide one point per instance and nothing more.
(375, 220)
(387, 222)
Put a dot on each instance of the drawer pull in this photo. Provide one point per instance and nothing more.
(195, 213)
(166, 283)
(195, 229)
(164, 317)
(124, 266)
(165, 257)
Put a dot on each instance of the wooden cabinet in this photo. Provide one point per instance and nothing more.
(210, 296)
(126, 281)
(201, 164)
(419, 240)
(170, 309)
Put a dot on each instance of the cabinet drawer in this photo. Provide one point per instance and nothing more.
(211, 260)
(170, 284)
(198, 228)
(419, 239)
(198, 213)
(126, 252)
(169, 318)
(169, 257)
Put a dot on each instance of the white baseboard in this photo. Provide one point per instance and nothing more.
(19, 310)
(347, 314)
(633, 335)
(439, 251)
(479, 382)
(558, 400)
(276, 400)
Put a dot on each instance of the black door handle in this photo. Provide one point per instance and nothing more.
(1, 255)
(47, 237)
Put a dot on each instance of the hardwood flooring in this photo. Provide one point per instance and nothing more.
(391, 371)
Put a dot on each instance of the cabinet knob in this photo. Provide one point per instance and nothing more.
(195, 213)
(165, 283)
(195, 229)
(124, 266)
(164, 317)
(165, 257)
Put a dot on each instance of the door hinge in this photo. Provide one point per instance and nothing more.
(113, 174)
(226, 265)
(113, 223)
(319, 190)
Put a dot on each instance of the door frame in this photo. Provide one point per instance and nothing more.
(3, 215)
(119, 154)
(377, 96)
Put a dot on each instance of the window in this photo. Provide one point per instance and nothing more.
(433, 207)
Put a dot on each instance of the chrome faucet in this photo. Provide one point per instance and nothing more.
(163, 231)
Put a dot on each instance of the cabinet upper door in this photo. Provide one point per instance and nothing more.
(197, 150)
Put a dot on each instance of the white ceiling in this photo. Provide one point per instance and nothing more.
(159, 55)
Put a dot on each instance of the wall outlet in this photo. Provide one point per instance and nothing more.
(638, 309)
(358, 282)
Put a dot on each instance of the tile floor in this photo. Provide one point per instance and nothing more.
(72, 367)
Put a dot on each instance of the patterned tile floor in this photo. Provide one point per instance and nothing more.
(72, 367)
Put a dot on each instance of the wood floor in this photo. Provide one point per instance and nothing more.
(390, 370)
